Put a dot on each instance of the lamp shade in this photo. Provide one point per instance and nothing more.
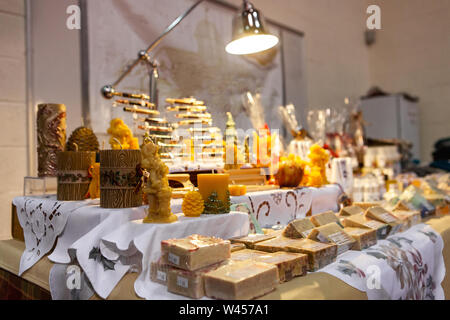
(249, 35)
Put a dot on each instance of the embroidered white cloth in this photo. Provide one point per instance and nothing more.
(279, 207)
(405, 266)
(78, 227)
(42, 220)
(135, 245)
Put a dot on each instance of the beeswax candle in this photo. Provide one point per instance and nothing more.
(211, 185)
(208, 183)
(237, 190)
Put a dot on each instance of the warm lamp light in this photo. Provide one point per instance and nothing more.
(249, 35)
(252, 44)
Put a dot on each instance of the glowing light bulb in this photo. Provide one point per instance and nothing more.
(252, 44)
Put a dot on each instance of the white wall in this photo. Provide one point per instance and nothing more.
(13, 141)
(55, 67)
(412, 54)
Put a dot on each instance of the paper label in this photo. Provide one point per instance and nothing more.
(161, 276)
(372, 224)
(173, 258)
(322, 238)
(306, 233)
(182, 282)
(339, 238)
(387, 217)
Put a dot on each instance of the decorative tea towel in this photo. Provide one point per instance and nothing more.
(42, 220)
(405, 266)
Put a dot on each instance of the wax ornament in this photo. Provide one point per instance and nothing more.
(121, 136)
(290, 171)
(193, 204)
(157, 186)
(315, 172)
(94, 186)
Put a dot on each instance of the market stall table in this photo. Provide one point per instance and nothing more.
(314, 286)
(86, 223)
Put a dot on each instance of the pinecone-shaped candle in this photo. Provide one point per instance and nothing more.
(193, 204)
(82, 139)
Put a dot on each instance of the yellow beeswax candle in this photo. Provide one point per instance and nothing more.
(237, 190)
(208, 183)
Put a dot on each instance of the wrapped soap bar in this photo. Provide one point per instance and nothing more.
(350, 211)
(360, 221)
(319, 254)
(247, 254)
(241, 280)
(324, 218)
(158, 272)
(289, 264)
(364, 237)
(279, 243)
(409, 218)
(299, 228)
(237, 246)
(252, 239)
(189, 283)
(332, 233)
(194, 252)
(382, 215)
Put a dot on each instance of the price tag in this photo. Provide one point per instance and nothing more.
(182, 282)
(173, 258)
(161, 276)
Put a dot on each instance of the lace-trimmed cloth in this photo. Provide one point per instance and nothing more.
(42, 220)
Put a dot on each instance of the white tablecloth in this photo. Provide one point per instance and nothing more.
(96, 239)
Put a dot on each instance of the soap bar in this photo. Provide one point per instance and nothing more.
(289, 264)
(360, 221)
(247, 254)
(319, 254)
(299, 228)
(324, 218)
(279, 243)
(364, 237)
(409, 218)
(241, 280)
(237, 246)
(194, 252)
(332, 233)
(158, 272)
(382, 215)
(350, 211)
(188, 283)
(252, 239)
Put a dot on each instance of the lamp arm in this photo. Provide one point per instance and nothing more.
(144, 55)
